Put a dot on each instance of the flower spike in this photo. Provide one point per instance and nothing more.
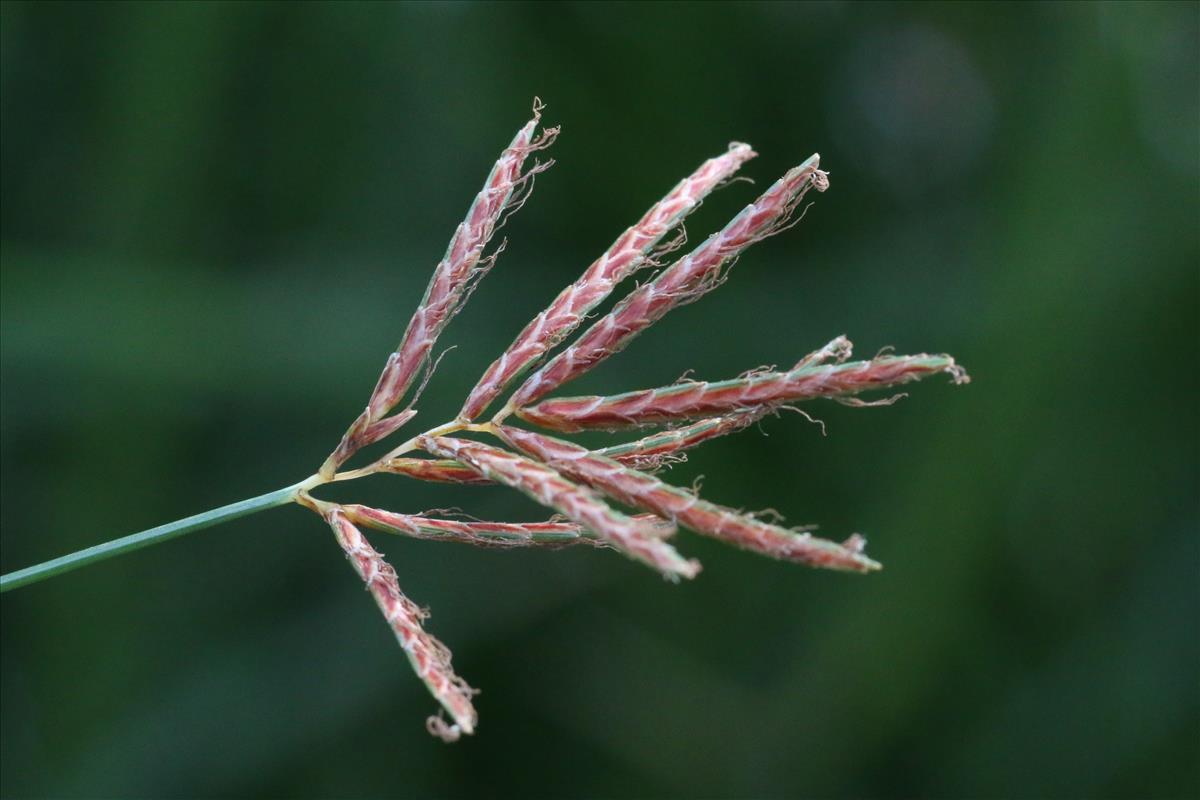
(764, 390)
(485, 534)
(456, 274)
(429, 658)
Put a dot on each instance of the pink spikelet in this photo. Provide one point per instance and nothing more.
(434, 470)
(763, 390)
(484, 534)
(630, 252)
(682, 282)
(454, 277)
(636, 538)
(429, 658)
(656, 450)
(644, 491)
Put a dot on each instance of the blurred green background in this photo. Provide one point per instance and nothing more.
(217, 219)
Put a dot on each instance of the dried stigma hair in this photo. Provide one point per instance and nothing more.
(579, 485)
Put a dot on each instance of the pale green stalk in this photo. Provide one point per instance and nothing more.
(136, 541)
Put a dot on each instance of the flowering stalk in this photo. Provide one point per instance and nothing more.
(563, 476)
(628, 254)
(429, 658)
(692, 399)
(635, 488)
(456, 274)
(683, 282)
(636, 538)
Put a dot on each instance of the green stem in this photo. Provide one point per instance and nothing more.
(135, 541)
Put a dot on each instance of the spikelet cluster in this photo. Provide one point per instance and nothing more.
(581, 485)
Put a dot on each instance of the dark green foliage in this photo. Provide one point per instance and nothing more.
(217, 217)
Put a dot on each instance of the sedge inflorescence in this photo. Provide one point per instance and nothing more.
(580, 485)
